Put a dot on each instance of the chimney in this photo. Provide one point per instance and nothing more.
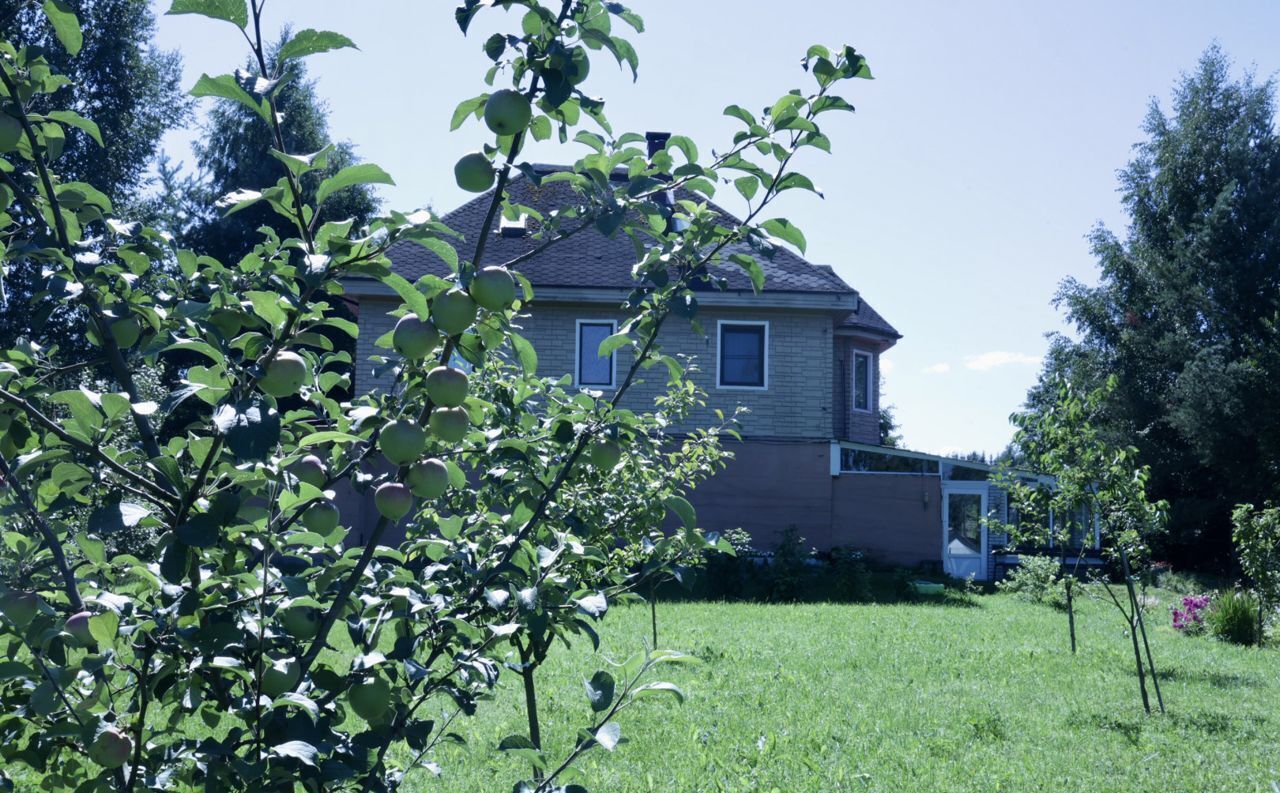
(657, 141)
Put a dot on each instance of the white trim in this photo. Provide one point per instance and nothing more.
(833, 458)
(871, 378)
(720, 323)
(950, 487)
(577, 354)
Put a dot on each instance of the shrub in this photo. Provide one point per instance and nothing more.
(788, 566)
(1035, 579)
(1233, 617)
(1190, 617)
(851, 577)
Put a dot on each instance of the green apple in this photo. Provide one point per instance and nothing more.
(285, 374)
(493, 288)
(19, 607)
(393, 500)
(312, 470)
(301, 622)
(402, 441)
(78, 626)
(507, 112)
(414, 338)
(371, 700)
(447, 386)
(322, 517)
(453, 311)
(282, 676)
(126, 332)
(428, 479)
(474, 173)
(605, 454)
(578, 68)
(450, 424)
(111, 748)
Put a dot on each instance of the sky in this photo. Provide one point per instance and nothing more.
(957, 198)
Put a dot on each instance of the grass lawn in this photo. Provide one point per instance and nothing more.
(903, 697)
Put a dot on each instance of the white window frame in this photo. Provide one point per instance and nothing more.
(720, 338)
(577, 353)
(871, 379)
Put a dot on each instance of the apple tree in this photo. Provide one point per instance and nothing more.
(250, 646)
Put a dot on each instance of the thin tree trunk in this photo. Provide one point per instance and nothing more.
(527, 669)
(653, 612)
(1261, 623)
(1142, 627)
(1137, 659)
(1071, 611)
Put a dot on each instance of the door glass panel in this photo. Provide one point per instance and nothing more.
(964, 523)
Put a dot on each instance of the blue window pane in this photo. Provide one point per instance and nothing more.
(861, 381)
(592, 369)
(742, 355)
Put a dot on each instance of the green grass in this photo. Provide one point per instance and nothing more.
(904, 697)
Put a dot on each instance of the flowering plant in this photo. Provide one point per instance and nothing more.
(1190, 618)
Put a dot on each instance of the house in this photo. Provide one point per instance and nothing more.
(803, 356)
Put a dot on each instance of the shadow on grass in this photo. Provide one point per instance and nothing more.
(1128, 727)
(740, 582)
(1210, 677)
(1218, 724)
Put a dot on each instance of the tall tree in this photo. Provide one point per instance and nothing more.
(234, 154)
(129, 89)
(1185, 310)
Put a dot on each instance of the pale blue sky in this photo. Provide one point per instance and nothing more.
(957, 197)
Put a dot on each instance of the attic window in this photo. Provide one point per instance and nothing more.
(513, 228)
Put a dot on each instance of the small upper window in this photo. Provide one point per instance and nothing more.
(593, 370)
(743, 354)
(862, 381)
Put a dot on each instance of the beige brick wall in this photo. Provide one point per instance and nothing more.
(796, 404)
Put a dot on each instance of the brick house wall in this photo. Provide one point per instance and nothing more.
(800, 350)
(854, 425)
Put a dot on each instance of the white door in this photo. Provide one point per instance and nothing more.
(964, 529)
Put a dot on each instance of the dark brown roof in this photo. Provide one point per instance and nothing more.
(592, 260)
(868, 319)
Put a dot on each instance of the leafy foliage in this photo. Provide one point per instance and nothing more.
(1036, 578)
(1232, 617)
(1184, 313)
(210, 659)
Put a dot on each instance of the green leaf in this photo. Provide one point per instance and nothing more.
(299, 750)
(352, 175)
(412, 298)
(65, 25)
(328, 436)
(225, 87)
(104, 627)
(747, 186)
(74, 119)
(250, 426)
(600, 691)
(794, 181)
(609, 735)
(525, 352)
(649, 689)
(267, 306)
(683, 510)
(785, 231)
(752, 268)
(466, 108)
(593, 605)
(311, 42)
(613, 343)
(233, 11)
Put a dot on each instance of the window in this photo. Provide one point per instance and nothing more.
(744, 357)
(594, 370)
(862, 381)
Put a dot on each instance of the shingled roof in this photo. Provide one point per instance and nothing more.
(592, 260)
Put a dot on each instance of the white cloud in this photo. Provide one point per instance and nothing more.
(938, 368)
(990, 360)
(886, 365)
